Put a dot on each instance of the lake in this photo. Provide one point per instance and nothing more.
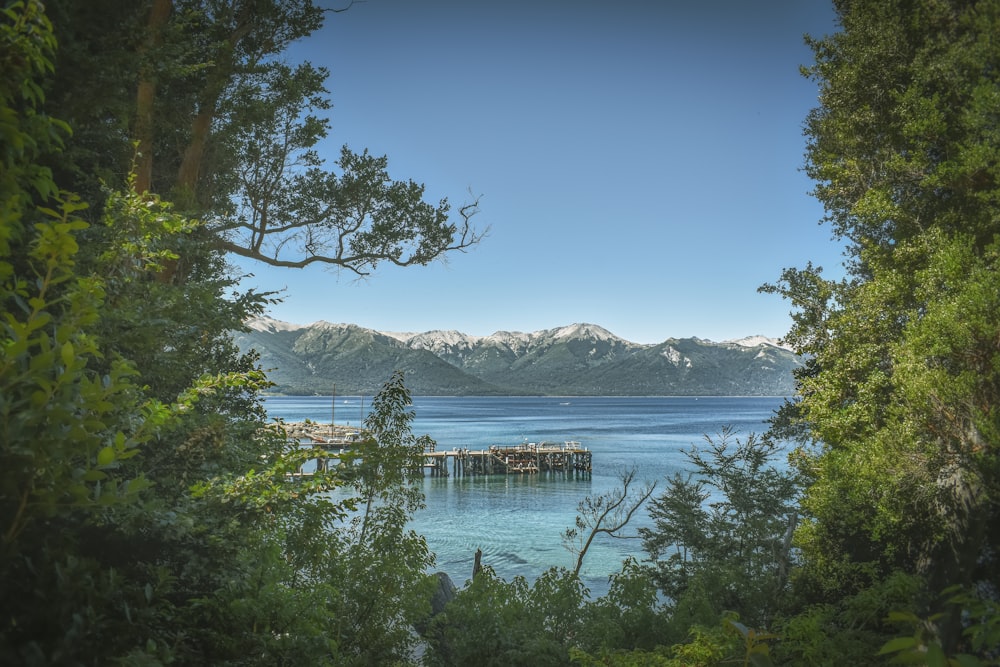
(518, 520)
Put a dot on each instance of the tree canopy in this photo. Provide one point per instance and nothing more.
(198, 100)
(146, 510)
(900, 395)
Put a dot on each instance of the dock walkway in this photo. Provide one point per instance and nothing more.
(526, 458)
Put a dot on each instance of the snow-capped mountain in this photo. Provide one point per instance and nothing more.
(756, 341)
(269, 325)
(578, 359)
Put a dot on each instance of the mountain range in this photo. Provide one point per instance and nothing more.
(574, 360)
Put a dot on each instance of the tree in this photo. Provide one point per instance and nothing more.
(146, 510)
(73, 420)
(721, 535)
(900, 394)
(126, 414)
(495, 622)
(227, 130)
(606, 514)
(386, 464)
(334, 575)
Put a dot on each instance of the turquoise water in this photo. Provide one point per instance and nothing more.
(518, 520)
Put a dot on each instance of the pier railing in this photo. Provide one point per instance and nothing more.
(568, 457)
(526, 458)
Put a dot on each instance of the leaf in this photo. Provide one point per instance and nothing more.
(68, 354)
(898, 644)
(106, 456)
(134, 486)
(902, 617)
(935, 656)
(739, 627)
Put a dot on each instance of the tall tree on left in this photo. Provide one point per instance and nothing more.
(195, 97)
(68, 433)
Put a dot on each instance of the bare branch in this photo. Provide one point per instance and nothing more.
(343, 9)
(607, 513)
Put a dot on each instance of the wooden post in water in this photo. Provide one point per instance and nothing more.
(478, 565)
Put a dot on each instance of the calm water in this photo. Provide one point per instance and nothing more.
(518, 520)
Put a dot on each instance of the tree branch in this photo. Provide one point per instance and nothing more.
(608, 514)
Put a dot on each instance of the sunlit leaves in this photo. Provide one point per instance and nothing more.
(899, 392)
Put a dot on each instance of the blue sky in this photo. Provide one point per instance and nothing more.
(639, 162)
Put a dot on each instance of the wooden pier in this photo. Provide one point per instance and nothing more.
(526, 458)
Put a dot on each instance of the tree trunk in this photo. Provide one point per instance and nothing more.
(186, 184)
(187, 175)
(953, 560)
(146, 94)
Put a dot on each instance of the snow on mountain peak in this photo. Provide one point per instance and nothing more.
(449, 337)
(583, 330)
(323, 324)
(271, 325)
(757, 341)
(438, 340)
(441, 339)
(401, 336)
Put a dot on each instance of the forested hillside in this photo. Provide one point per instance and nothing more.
(575, 360)
(146, 512)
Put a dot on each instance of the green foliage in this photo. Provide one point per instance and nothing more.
(981, 634)
(630, 616)
(319, 577)
(69, 435)
(172, 302)
(147, 513)
(756, 650)
(728, 643)
(848, 631)
(27, 47)
(636, 658)
(380, 575)
(227, 129)
(494, 622)
(900, 392)
(721, 535)
(62, 445)
(385, 465)
(904, 135)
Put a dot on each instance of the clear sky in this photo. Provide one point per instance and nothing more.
(639, 162)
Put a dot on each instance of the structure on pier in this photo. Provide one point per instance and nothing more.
(526, 458)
